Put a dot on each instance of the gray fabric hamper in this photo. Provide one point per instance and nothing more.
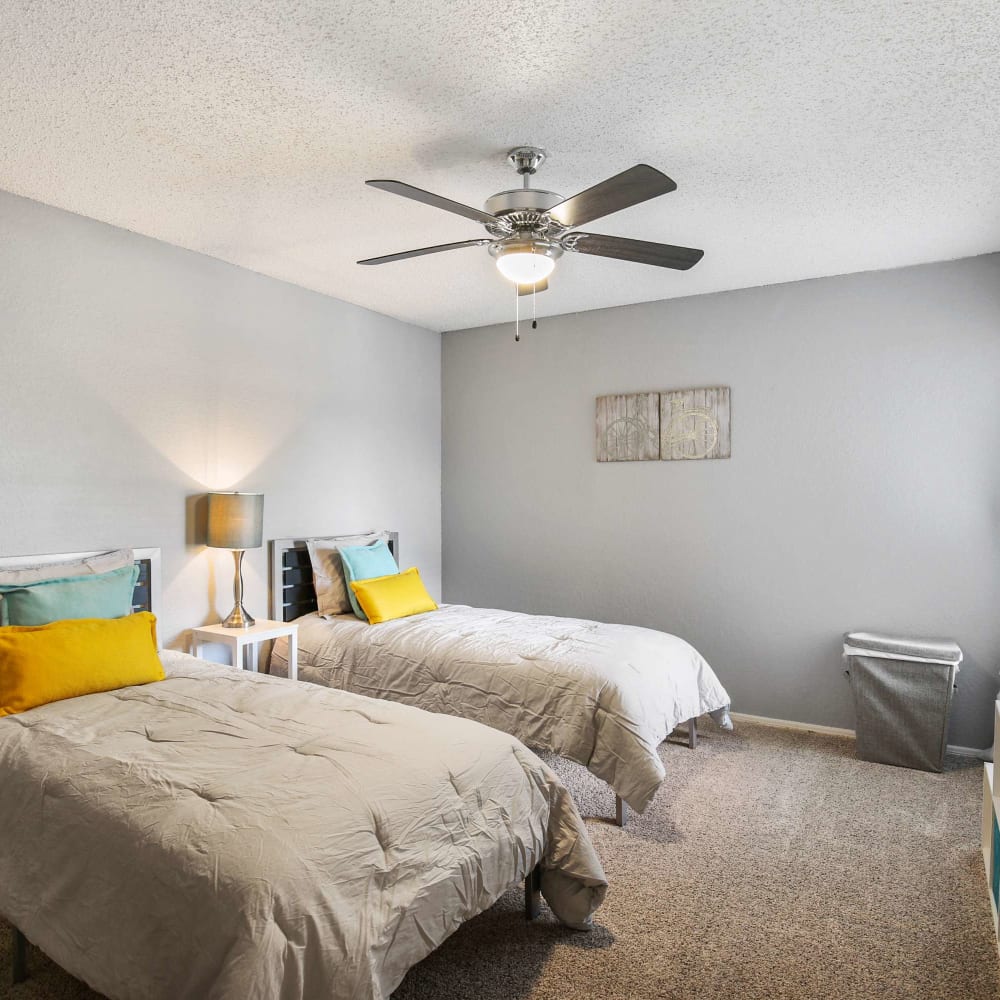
(902, 691)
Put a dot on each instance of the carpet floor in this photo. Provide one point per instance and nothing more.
(771, 866)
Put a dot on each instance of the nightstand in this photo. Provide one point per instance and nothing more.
(242, 641)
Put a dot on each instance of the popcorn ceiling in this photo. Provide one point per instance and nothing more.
(805, 139)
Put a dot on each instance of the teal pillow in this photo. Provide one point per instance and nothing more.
(96, 595)
(362, 562)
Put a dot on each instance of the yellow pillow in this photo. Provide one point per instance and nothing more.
(43, 663)
(384, 598)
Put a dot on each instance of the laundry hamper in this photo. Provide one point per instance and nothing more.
(902, 691)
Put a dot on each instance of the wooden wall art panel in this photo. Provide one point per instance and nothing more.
(628, 427)
(694, 423)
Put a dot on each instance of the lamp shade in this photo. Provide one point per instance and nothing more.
(235, 520)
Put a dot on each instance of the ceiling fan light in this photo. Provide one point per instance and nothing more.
(524, 267)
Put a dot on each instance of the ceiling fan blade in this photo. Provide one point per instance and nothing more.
(539, 286)
(630, 187)
(405, 254)
(658, 254)
(435, 200)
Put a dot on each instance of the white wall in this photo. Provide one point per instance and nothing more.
(863, 491)
(137, 375)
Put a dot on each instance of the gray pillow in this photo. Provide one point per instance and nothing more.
(103, 562)
(328, 569)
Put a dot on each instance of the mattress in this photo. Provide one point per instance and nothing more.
(603, 695)
(230, 836)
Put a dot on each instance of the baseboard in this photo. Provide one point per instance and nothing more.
(763, 720)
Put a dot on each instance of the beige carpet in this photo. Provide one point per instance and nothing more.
(772, 865)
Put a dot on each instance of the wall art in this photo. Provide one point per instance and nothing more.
(672, 425)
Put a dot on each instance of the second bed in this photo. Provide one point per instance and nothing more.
(602, 695)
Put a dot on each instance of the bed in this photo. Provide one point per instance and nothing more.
(220, 834)
(603, 695)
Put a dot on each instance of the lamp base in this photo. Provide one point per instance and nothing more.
(239, 617)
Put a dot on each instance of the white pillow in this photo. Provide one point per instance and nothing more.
(328, 570)
(101, 563)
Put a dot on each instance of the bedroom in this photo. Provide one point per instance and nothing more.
(181, 312)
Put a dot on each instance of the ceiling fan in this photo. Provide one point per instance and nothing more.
(529, 229)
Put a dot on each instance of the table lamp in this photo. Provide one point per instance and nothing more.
(236, 521)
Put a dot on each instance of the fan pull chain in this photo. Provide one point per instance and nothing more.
(534, 292)
(517, 315)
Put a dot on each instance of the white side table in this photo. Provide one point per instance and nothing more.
(247, 640)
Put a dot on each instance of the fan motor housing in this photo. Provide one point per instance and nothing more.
(522, 199)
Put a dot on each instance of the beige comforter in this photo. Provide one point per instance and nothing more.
(603, 695)
(228, 835)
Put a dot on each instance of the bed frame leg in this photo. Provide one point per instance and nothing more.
(533, 893)
(621, 811)
(692, 733)
(18, 957)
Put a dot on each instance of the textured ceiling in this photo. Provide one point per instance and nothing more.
(806, 139)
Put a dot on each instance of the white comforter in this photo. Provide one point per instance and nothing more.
(603, 695)
(226, 835)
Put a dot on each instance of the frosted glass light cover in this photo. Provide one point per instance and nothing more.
(524, 268)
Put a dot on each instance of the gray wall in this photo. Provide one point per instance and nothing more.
(137, 375)
(863, 491)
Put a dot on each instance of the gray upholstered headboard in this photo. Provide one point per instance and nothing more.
(292, 591)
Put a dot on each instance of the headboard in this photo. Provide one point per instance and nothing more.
(145, 597)
(292, 591)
